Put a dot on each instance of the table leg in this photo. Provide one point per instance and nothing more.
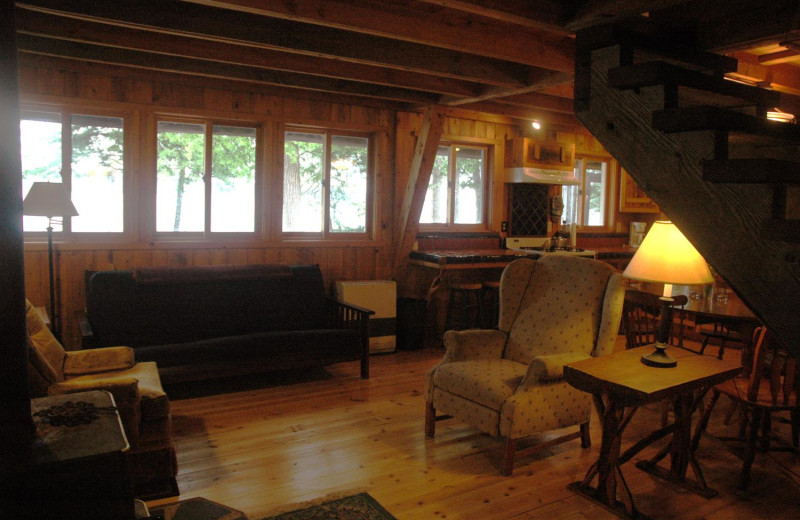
(682, 447)
(607, 468)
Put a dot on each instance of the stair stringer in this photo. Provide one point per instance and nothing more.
(723, 221)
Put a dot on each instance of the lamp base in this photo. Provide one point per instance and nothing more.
(659, 358)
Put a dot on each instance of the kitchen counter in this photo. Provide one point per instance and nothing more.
(618, 256)
(464, 258)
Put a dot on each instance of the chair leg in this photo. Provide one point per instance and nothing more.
(586, 439)
(750, 450)
(430, 419)
(507, 465)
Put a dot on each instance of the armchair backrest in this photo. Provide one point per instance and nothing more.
(557, 304)
(45, 353)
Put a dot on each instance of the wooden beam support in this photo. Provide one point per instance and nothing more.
(417, 186)
(16, 426)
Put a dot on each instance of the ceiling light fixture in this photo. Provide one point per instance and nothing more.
(777, 114)
(536, 124)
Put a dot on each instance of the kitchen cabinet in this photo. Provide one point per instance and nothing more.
(554, 151)
(632, 198)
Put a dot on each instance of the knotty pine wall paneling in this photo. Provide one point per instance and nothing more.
(143, 95)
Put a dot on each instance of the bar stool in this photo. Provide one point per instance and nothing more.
(490, 304)
(464, 307)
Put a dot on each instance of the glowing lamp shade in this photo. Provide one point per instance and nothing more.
(667, 257)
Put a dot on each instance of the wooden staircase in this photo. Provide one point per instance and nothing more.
(702, 147)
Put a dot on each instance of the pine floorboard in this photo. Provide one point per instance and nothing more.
(262, 443)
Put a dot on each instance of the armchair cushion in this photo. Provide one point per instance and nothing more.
(485, 382)
(82, 362)
(45, 352)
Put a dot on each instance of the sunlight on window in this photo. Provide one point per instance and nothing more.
(233, 189)
(97, 173)
(180, 194)
(434, 209)
(40, 138)
(302, 182)
(468, 198)
(348, 197)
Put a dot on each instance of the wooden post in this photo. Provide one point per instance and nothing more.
(16, 426)
(417, 186)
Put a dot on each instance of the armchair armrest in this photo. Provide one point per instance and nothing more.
(551, 367)
(461, 345)
(82, 362)
(126, 396)
(348, 316)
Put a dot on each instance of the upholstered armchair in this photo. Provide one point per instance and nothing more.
(508, 382)
(142, 403)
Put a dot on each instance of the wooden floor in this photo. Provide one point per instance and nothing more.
(259, 447)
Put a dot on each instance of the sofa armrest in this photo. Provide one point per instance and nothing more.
(87, 334)
(93, 361)
(344, 315)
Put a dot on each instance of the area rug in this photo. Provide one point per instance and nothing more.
(353, 507)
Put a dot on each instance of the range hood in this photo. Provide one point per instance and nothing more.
(550, 160)
(539, 176)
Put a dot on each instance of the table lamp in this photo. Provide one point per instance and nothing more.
(666, 256)
(51, 200)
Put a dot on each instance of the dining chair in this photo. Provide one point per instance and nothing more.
(772, 386)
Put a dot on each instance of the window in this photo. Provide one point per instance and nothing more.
(456, 193)
(325, 183)
(586, 204)
(205, 179)
(85, 152)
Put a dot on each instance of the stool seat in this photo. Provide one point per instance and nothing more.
(464, 306)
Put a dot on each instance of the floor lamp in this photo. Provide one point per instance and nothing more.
(666, 256)
(51, 200)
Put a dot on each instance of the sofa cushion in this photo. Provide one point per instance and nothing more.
(266, 347)
(124, 312)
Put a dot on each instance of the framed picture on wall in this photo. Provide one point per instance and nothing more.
(632, 198)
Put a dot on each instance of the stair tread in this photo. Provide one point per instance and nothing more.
(663, 73)
(643, 34)
(692, 119)
(751, 171)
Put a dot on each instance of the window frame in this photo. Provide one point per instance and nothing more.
(129, 124)
(608, 198)
(207, 234)
(450, 225)
(328, 133)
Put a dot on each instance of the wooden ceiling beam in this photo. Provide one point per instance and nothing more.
(594, 12)
(518, 113)
(48, 25)
(162, 62)
(203, 22)
(541, 15)
(444, 28)
(545, 80)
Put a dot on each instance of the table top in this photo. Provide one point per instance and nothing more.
(623, 375)
(65, 422)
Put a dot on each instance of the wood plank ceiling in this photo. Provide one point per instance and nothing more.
(511, 58)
